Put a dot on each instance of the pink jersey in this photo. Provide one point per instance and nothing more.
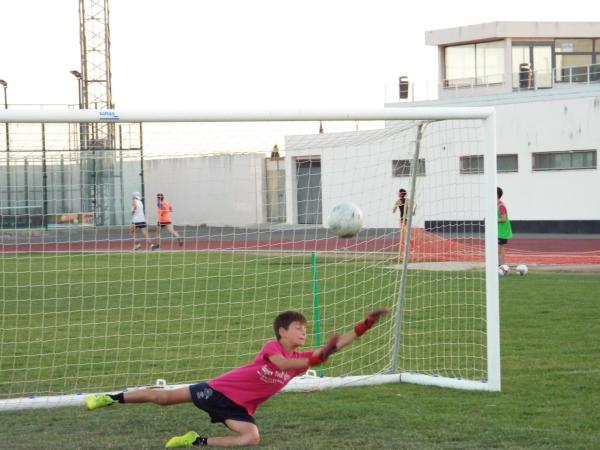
(251, 385)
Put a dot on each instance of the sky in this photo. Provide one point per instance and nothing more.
(245, 54)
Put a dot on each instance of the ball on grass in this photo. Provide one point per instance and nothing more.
(522, 269)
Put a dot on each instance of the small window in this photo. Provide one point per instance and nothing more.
(568, 160)
(507, 163)
(471, 164)
(573, 45)
(401, 168)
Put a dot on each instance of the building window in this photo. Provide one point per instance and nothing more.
(577, 60)
(401, 168)
(573, 45)
(474, 164)
(507, 163)
(532, 65)
(471, 164)
(474, 64)
(568, 160)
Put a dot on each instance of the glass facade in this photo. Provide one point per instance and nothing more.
(474, 64)
(573, 45)
(460, 64)
(536, 64)
(532, 65)
(577, 60)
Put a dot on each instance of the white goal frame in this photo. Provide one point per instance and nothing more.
(424, 114)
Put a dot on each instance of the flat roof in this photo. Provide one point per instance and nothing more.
(516, 30)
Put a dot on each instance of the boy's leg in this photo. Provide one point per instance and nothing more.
(162, 397)
(247, 435)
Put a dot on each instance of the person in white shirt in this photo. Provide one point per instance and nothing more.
(138, 220)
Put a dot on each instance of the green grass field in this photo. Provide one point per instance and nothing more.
(77, 332)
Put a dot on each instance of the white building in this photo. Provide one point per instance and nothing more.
(543, 79)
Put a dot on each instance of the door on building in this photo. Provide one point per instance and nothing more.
(532, 65)
(308, 191)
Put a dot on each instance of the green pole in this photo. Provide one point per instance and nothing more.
(316, 305)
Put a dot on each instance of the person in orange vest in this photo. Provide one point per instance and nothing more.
(164, 221)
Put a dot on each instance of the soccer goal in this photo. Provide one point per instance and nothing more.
(88, 308)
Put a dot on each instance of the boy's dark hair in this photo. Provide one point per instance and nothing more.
(402, 191)
(499, 192)
(285, 319)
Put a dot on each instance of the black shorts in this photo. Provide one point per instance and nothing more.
(502, 241)
(164, 224)
(140, 224)
(217, 405)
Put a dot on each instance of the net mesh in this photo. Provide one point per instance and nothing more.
(83, 311)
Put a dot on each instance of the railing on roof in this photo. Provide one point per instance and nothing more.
(522, 80)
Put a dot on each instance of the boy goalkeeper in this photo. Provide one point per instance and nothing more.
(233, 397)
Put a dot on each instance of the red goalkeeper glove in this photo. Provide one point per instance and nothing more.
(328, 349)
(365, 325)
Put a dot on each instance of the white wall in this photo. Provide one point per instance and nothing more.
(357, 166)
(550, 126)
(214, 190)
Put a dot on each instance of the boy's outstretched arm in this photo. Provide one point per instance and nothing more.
(334, 344)
(361, 327)
(317, 358)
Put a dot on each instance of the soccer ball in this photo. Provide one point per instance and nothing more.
(522, 269)
(345, 220)
(503, 270)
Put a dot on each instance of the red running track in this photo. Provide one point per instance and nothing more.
(425, 246)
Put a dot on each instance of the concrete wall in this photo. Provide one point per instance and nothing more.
(517, 30)
(550, 126)
(214, 190)
(357, 166)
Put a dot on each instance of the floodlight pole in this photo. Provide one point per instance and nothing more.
(4, 85)
(77, 75)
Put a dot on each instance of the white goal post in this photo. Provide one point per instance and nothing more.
(83, 312)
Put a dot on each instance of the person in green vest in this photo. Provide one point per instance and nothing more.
(504, 228)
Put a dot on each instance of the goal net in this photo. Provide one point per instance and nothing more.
(88, 309)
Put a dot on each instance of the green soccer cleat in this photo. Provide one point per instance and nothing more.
(185, 441)
(98, 401)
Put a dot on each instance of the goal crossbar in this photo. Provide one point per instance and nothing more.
(182, 115)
